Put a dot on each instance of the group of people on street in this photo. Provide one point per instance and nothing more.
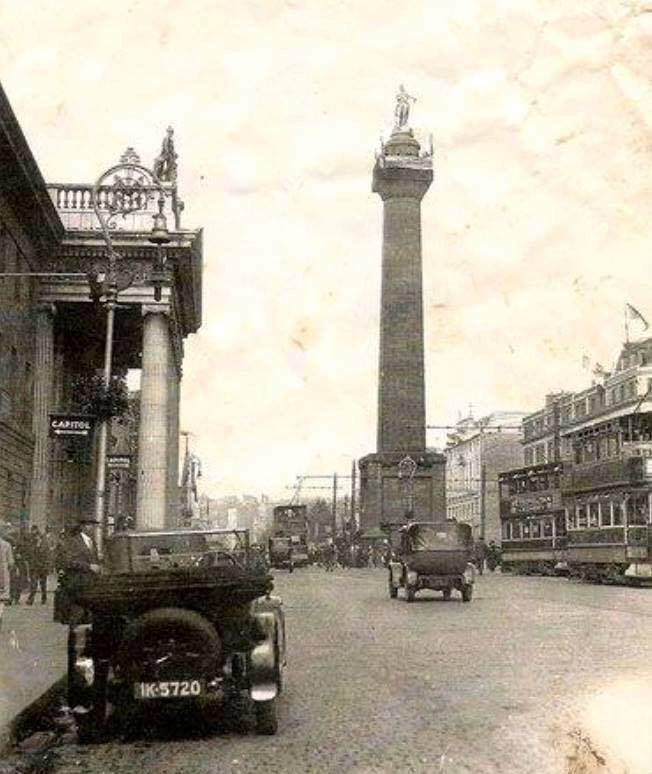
(27, 557)
(486, 555)
(348, 555)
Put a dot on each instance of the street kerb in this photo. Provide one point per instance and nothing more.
(38, 715)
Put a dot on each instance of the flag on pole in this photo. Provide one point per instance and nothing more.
(632, 313)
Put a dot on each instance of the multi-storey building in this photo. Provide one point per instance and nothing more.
(477, 451)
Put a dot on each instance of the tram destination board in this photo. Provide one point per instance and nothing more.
(71, 425)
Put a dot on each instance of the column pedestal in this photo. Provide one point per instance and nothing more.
(382, 491)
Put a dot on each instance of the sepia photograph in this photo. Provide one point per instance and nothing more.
(325, 387)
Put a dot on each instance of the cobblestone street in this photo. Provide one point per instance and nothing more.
(534, 675)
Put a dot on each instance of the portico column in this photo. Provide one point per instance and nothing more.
(173, 444)
(43, 389)
(151, 495)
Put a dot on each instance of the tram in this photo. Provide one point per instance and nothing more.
(588, 516)
(288, 544)
(533, 522)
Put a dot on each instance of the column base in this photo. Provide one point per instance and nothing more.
(382, 494)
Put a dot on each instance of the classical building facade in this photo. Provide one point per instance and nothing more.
(55, 325)
(478, 451)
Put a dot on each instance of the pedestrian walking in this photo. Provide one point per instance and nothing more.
(479, 554)
(20, 569)
(6, 565)
(39, 564)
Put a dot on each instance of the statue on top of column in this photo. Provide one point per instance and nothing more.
(402, 109)
(165, 165)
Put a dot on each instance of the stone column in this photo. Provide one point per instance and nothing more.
(151, 496)
(401, 178)
(43, 390)
(173, 517)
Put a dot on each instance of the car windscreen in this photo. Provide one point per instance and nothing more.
(433, 538)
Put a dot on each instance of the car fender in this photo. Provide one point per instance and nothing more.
(263, 667)
(395, 573)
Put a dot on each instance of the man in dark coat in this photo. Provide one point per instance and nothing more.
(79, 554)
(79, 565)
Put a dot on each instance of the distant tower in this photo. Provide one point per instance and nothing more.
(401, 177)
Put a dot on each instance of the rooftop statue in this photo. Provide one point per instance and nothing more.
(402, 109)
(165, 165)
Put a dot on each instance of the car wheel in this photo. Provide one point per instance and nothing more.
(163, 628)
(446, 593)
(266, 719)
(410, 593)
(467, 592)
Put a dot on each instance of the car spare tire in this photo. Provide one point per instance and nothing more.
(169, 643)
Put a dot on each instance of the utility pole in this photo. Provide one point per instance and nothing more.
(483, 497)
(334, 506)
(354, 523)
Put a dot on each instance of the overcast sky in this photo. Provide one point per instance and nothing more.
(536, 230)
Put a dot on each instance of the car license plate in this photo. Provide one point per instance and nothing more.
(169, 689)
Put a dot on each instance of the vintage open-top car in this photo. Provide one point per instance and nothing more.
(176, 616)
(431, 555)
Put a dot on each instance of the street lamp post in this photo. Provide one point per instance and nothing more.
(130, 191)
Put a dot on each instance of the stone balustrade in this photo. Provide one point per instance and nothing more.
(75, 207)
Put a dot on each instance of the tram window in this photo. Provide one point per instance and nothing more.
(594, 516)
(570, 518)
(605, 513)
(516, 530)
(505, 530)
(637, 510)
(580, 512)
(617, 514)
(526, 530)
(547, 528)
(589, 451)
